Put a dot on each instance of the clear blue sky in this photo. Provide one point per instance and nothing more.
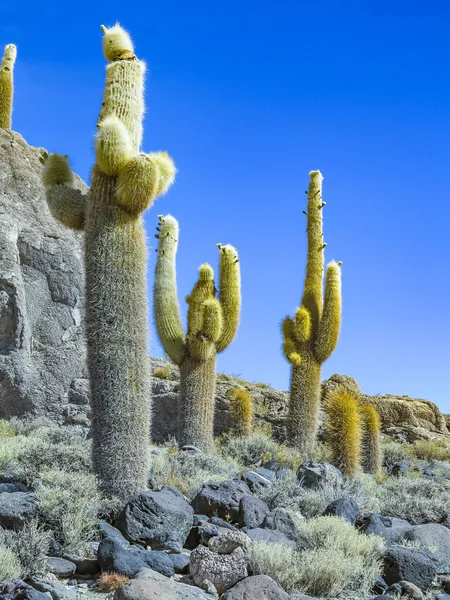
(248, 97)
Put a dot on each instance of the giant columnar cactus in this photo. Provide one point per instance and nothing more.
(212, 325)
(124, 183)
(7, 86)
(311, 336)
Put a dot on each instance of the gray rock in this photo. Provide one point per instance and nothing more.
(218, 522)
(252, 511)
(257, 587)
(228, 541)
(200, 534)
(150, 585)
(13, 487)
(42, 350)
(410, 564)
(256, 481)
(443, 597)
(435, 539)
(161, 520)
(61, 567)
(270, 537)
(57, 590)
(390, 529)
(180, 563)
(284, 521)
(84, 566)
(112, 556)
(108, 532)
(347, 508)
(19, 590)
(16, 508)
(220, 498)
(266, 473)
(398, 469)
(411, 590)
(314, 475)
(222, 570)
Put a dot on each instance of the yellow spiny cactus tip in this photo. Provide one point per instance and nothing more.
(229, 251)
(112, 145)
(117, 43)
(302, 324)
(206, 272)
(57, 171)
(287, 328)
(9, 57)
(316, 176)
(241, 411)
(371, 418)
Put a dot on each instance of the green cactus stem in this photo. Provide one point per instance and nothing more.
(212, 325)
(7, 86)
(124, 183)
(312, 334)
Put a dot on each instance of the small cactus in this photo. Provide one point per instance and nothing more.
(125, 182)
(7, 86)
(311, 335)
(241, 411)
(371, 440)
(212, 325)
(343, 429)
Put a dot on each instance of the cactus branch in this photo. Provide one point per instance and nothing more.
(7, 86)
(330, 322)
(67, 204)
(229, 295)
(166, 308)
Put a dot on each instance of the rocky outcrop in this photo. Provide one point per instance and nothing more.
(395, 411)
(42, 353)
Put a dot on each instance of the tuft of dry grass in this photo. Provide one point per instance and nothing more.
(110, 581)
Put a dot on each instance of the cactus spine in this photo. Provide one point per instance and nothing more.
(124, 183)
(241, 411)
(212, 325)
(311, 336)
(7, 86)
(371, 440)
(344, 429)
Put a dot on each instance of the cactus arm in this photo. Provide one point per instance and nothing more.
(166, 307)
(229, 294)
(212, 319)
(330, 322)
(142, 179)
(312, 295)
(67, 204)
(7, 85)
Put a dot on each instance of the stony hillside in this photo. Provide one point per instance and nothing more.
(42, 367)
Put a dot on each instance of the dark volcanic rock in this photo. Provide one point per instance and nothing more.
(220, 498)
(161, 520)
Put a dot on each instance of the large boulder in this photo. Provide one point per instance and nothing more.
(150, 585)
(222, 570)
(397, 411)
(220, 499)
(435, 539)
(410, 564)
(42, 350)
(16, 509)
(161, 520)
(391, 529)
(257, 587)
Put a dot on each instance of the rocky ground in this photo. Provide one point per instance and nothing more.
(249, 521)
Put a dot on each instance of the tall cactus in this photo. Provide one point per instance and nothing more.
(371, 441)
(212, 325)
(311, 336)
(7, 86)
(124, 183)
